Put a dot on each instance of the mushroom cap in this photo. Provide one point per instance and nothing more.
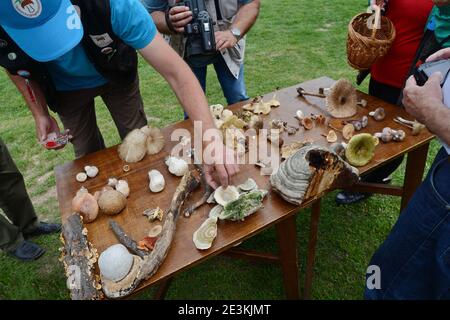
(308, 123)
(112, 202)
(342, 100)
(155, 140)
(348, 131)
(332, 136)
(224, 196)
(360, 150)
(86, 205)
(133, 148)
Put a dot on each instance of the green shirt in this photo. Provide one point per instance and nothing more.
(441, 16)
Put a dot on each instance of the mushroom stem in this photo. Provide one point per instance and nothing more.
(403, 123)
(302, 92)
(334, 128)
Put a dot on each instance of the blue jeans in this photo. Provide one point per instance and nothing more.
(415, 258)
(233, 89)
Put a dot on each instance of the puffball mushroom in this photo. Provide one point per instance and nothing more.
(123, 188)
(91, 171)
(157, 182)
(86, 205)
(115, 263)
(112, 202)
(133, 148)
(177, 166)
(81, 177)
(155, 140)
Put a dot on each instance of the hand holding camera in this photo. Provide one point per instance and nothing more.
(180, 17)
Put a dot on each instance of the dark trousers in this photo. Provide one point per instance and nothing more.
(391, 95)
(15, 203)
(414, 261)
(76, 109)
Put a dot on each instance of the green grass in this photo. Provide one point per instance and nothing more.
(293, 41)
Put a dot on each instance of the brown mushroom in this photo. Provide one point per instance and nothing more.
(342, 100)
(331, 136)
(307, 123)
(112, 202)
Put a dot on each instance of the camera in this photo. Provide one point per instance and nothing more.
(426, 70)
(200, 31)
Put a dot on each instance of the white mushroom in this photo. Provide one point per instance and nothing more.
(112, 182)
(157, 182)
(115, 263)
(123, 188)
(133, 148)
(248, 185)
(81, 177)
(225, 196)
(155, 231)
(216, 110)
(205, 235)
(91, 171)
(177, 166)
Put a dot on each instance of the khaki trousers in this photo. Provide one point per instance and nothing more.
(15, 203)
(76, 109)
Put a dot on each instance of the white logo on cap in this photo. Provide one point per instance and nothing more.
(28, 8)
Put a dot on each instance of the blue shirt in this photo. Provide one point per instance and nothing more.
(161, 5)
(130, 22)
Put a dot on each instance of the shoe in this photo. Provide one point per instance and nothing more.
(347, 197)
(44, 228)
(28, 251)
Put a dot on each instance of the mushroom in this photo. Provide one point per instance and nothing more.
(291, 130)
(307, 123)
(274, 138)
(224, 196)
(123, 188)
(278, 124)
(302, 93)
(86, 205)
(342, 100)
(157, 182)
(365, 121)
(112, 182)
(153, 214)
(216, 110)
(205, 235)
(226, 114)
(115, 263)
(91, 171)
(331, 136)
(362, 103)
(248, 185)
(81, 177)
(415, 126)
(256, 122)
(155, 231)
(360, 150)
(348, 131)
(379, 114)
(177, 166)
(299, 115)
(386, 135)
(398, 135)
(133, 148)
(155, 140)
(112, 202)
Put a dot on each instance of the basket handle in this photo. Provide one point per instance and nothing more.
(377, 21)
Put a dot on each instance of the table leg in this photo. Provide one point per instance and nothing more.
(162, 289)
(415, 167)
(287, 243)
(312, 243)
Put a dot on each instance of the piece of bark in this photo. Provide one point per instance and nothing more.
(124, 239)
(79, 258)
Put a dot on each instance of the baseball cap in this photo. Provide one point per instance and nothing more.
(44, 29)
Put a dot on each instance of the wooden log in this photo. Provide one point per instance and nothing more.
(79, 258)
(124, 239)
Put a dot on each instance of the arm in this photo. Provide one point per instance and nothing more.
(35, 100)
(187, 88)
(244, 21)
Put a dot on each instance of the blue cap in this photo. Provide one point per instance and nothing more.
(44, 29)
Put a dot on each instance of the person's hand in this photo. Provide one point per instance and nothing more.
(45, 125)
(225, 40)
(224, 167)
(420, 101)
(440, 55)
(180, 17)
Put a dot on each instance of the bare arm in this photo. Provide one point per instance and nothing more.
(36, 102)
(247, 16)
(190, 94)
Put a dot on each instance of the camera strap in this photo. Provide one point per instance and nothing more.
(218, 12)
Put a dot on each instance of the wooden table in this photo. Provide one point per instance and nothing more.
(276, 212)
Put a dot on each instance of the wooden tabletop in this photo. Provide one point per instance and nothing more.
(183, 253)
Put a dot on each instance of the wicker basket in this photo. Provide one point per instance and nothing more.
(364, 45)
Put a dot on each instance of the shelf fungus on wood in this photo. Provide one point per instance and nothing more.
(205, 235)
(79, 256)
(310, 172)
(245, 205)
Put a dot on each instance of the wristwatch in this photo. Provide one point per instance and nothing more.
(236, 33)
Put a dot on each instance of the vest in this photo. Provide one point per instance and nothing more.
(234, 57)
(112, 58)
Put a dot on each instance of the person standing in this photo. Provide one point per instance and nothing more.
(22, 222)
(414, 261)
(63, 54)
(232, 20)
(388, 75)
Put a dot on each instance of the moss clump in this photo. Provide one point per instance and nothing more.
(245, 205)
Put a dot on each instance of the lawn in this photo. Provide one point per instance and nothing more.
(293, 41)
